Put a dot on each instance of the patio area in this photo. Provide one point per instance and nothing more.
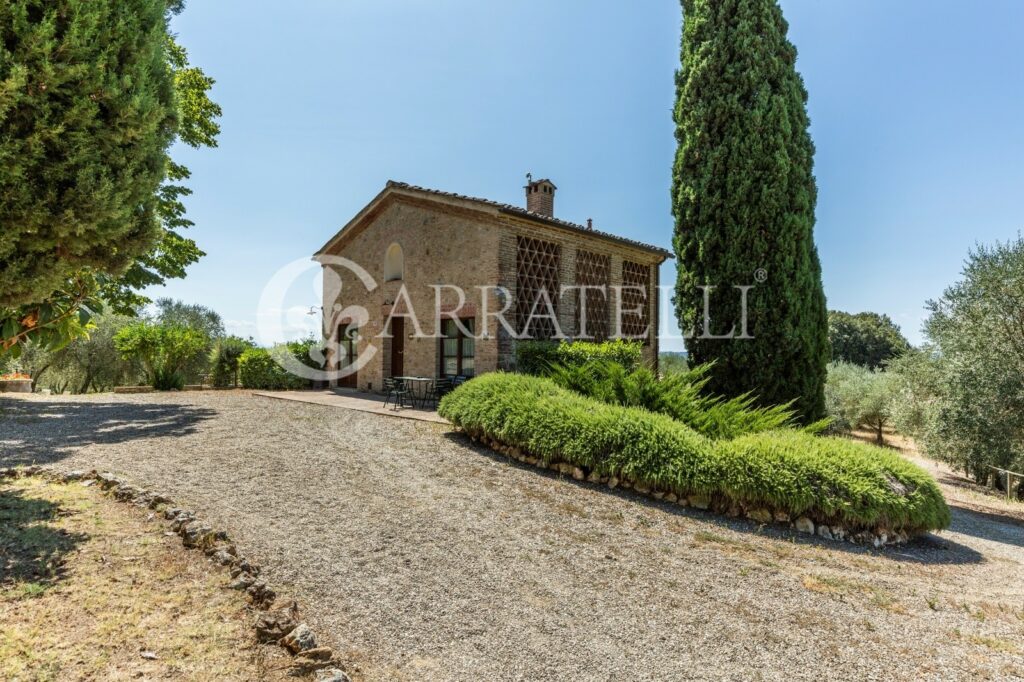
(360, 401)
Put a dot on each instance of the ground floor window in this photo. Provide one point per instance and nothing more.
(457, 349)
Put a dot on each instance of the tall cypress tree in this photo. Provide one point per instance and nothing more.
(743, 196)
(87, 114)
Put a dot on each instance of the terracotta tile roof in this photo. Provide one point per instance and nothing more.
(530, 215)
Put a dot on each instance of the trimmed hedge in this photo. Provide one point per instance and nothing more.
(827, 479)
(258, 370)
(537, 357)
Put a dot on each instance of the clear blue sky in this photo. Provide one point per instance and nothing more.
(916, 110)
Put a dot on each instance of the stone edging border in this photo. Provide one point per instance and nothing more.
(877, 538)
(275, 622)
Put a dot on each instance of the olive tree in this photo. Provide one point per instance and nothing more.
(857, 396)
(963, 397)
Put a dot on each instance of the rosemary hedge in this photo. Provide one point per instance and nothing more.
(827, 479)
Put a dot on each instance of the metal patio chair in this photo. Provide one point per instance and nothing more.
(396, 393)
(437, 390)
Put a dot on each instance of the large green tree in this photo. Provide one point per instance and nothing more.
(92, 95)
(743, 197)
(866, 339)
(87, 113)
(963, 396)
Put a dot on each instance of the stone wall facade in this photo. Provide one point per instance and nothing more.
(450, 244)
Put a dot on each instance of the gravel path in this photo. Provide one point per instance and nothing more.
(426, 558)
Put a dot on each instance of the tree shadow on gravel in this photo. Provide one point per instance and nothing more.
(43, 432)
(926, 549)
(31, 551)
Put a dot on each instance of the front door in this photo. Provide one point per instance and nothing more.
(397, 346)
(347, 355)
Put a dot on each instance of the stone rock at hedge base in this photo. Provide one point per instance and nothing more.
(805, 525)
(824, 531)
(698, 501)
(261, 595)
(321, 653)
(243, 582)
(304, 664)
(865, 537)
(299, 639)
(158, 500)
(271, 626)
(760, 515)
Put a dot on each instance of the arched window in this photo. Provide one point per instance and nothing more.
(394, 264)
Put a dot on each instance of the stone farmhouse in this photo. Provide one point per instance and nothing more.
(437, 269)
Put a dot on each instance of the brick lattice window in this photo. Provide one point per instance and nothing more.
(537, 264)
(593, 270)
(635, 275)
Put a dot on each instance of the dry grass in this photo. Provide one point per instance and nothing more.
(875, 595)
(90, 589)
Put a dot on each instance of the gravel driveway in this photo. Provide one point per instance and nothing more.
(426, 558)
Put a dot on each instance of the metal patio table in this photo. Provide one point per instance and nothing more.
(418, 388)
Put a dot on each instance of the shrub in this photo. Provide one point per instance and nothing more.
(835, 478)
(258, 370)
(828, 479)
(308, 351)
(224, 358)
(263, 369)
(163, 349)
(857, 396)
(678, 395)
(537, 357)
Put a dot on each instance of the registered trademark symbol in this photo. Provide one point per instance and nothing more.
(761, 275)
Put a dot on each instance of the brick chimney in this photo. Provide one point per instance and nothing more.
(540, 196)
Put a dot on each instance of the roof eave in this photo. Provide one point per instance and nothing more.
(369, 208)
(393, 187)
